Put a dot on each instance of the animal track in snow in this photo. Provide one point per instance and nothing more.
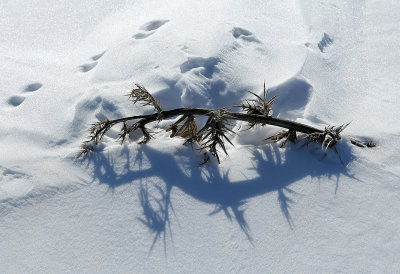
(142, 35)
(15, 100)
(325, 42)
(149, 28)
(208, 65)
(33, 87)
(98, 56)
(153, 25)
(244, 34)
(88, 67)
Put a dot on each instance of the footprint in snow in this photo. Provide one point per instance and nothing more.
(142, 35)
(325, 42)
(149, 28)
(208, 65)
(15, 100)
(244, 34)
(88, 67)
(33, 87)
(98, 56)
(153, 25)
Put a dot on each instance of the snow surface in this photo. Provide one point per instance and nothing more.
(151, 208)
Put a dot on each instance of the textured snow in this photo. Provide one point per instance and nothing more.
(151, 208)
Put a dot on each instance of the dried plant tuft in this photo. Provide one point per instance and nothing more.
(140, 94)
(328, 138)
(285, 135)
(185, 127)
(215, 133)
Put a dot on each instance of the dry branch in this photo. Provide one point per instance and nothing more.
(215, 132)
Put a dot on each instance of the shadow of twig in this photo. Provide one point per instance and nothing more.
(156, 212)
(276, 170)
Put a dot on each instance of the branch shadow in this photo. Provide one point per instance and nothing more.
(277, 170)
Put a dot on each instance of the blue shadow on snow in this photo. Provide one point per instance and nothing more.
(274, 174)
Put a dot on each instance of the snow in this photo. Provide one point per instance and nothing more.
(151, 208)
